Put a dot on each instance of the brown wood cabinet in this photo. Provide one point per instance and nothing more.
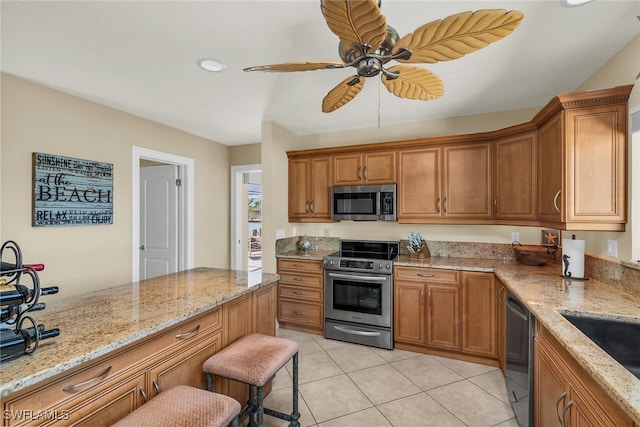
(451, 183)
(515, 178)
(300, 295)
(104, 390)
(427, 307)
(565, 394)
(479, 323)
(310, 189)
(374, 167)
(582, 161)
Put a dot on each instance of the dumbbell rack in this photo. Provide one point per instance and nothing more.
(19, 332)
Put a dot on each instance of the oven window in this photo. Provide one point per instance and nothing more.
(359, 297)
(355, 203)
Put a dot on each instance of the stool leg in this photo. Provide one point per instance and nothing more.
(295, 415)
(260, 406)
(209, 382)
(251, 406)
(234, 422)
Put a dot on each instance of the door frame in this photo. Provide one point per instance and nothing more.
(185, 206)
(237, 245)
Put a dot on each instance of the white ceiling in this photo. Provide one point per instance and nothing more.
(140, 57)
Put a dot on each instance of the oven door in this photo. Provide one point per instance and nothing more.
(358, 297)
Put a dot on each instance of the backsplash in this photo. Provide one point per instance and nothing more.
(619, 275)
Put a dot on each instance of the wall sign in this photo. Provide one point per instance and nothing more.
(69, 191)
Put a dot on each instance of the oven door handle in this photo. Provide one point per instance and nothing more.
(357, 277)
(352, 332)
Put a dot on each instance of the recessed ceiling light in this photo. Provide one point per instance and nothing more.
(212, 65)
(572, 3)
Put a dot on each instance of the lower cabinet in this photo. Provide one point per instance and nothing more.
(300, 295)
(446, 312)
(565, 394)
(105, 390)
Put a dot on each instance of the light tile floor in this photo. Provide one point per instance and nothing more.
(349, 385)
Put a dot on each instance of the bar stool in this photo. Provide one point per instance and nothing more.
(254, 359)
(185, 406)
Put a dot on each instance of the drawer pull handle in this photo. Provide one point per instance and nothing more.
(156, 386)
(300, 313)
(143, 394)
(425, 275)
(76, 387)
(299, 293)
(186, 335)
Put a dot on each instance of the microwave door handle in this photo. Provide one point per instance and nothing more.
(358, 277)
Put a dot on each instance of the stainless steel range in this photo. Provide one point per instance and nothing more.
(358, 292)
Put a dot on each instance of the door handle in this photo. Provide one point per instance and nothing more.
(142, 247)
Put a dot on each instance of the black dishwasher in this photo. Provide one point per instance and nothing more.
(519, 357)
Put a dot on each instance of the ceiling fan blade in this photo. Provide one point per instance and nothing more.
(344, 92)
(458, 35)
(414, 83)
(297, 66)
(355, 21)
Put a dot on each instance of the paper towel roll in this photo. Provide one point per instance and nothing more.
(573, 258)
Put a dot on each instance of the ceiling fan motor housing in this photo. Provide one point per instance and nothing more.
(369, 64)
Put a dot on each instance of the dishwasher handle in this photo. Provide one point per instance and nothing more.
(517, 307)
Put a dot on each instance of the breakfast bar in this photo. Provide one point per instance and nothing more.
(120, 346)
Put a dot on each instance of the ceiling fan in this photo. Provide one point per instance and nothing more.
(367, 43)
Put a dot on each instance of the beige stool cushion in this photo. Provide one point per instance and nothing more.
(184, 406)
(253, 359)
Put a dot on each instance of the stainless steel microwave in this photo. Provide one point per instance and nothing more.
(364, 202)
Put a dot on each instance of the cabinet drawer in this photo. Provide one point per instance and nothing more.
(285, 291)
(431, 275)
(300, 265)
(300, 279)
(300, 312)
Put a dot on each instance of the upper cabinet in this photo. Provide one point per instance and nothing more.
(448, 183)
(566, 169)
(310, 189)
(514, 180)
(374, 167)
(582, 160)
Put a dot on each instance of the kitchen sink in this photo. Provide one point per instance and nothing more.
(621, 340)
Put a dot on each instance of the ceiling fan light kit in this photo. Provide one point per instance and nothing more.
(367, 43)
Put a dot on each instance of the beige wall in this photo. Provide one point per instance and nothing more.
(245, 155)
(621, 70)
(84, 258)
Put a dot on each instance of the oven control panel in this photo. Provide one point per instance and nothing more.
(350, 264)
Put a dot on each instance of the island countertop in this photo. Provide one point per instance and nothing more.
(96, 323)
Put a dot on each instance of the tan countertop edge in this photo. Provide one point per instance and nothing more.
(192, 292)
(546, 294)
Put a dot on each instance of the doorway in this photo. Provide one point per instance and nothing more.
(184, 230)
(246, 218)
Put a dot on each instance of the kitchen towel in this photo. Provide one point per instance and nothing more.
(573, 258)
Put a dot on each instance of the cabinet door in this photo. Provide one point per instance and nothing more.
(550, 390)
(264, 314)
(596, 164)
(110, 406)
(379, 167)
(409, 312)
(184, 366)
(419, 185)
(467, 181)
(347, 169)
(515, 180)
(320, 188)
(479, 314)
(550, 170)
(443, 316)
(299, 172)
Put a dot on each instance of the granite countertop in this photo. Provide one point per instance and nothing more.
(546, 294)
(312, 254)
(97, 323)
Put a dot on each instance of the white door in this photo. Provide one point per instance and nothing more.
(158, 220)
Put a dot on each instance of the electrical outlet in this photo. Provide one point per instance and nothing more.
(280, 233)
(612, 248)
(515, 236)
(326, 232)
(294, 231)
